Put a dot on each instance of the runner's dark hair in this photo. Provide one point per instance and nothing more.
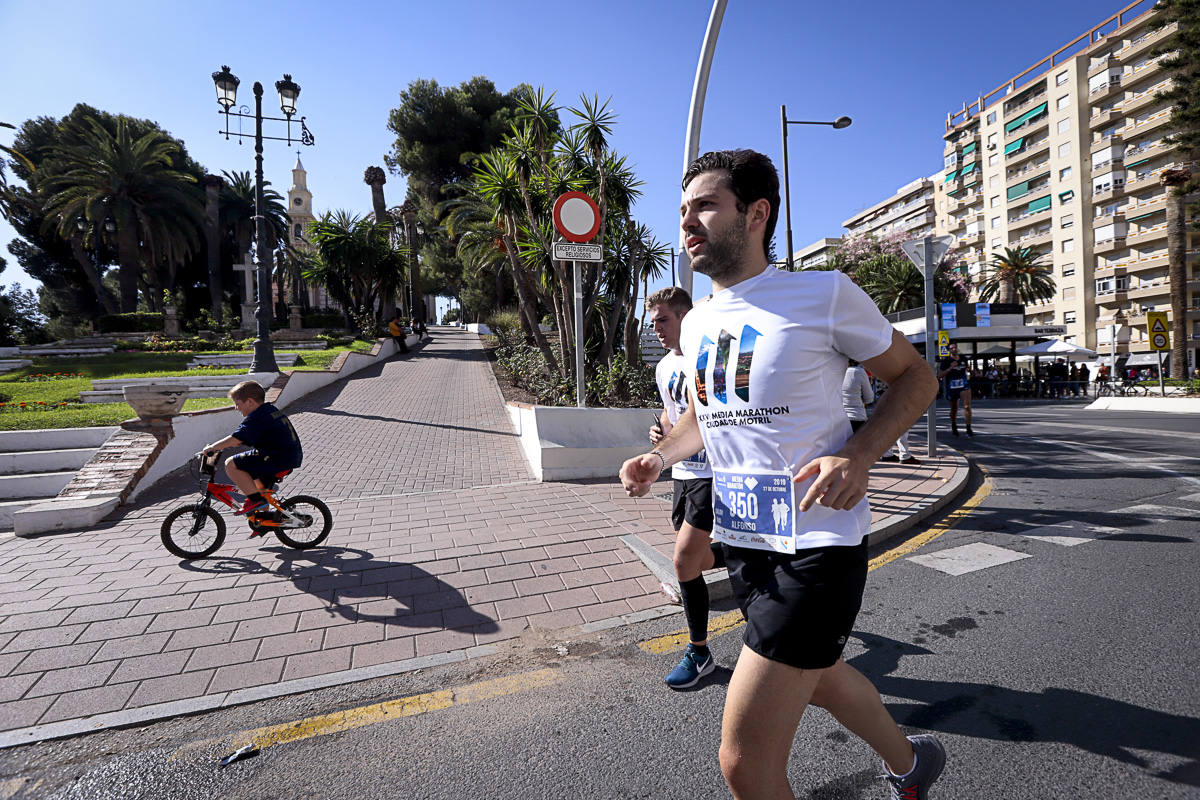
(752, 177)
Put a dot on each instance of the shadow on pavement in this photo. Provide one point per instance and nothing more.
(360, 588)
(1100, 725)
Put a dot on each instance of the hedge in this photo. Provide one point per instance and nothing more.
(127, 323)
(324, 319)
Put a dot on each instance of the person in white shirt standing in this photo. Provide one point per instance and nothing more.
(765, 357)
(691, 512)
(857, 394)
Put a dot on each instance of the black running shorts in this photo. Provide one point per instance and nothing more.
(693, 503)
(799, 609)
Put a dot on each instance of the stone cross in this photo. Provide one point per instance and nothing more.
(248, 268)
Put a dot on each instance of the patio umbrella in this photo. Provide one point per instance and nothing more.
(1057, 348)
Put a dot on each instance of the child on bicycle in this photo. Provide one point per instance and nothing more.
(267, 430)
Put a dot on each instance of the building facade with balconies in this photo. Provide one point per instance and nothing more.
(1067, 158)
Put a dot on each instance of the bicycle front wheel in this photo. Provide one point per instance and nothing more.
(315, 522)
(192, 532)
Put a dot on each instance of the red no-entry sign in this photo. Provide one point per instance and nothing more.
(576, 217)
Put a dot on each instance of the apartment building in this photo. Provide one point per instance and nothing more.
(1066, 158)
(815, 255)
(910, 211)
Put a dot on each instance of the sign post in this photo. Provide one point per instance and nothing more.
(1160, 341)
(577, 218)
(926, 253)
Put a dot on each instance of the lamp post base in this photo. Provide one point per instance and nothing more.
(264, 357)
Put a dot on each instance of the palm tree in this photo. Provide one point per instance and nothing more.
(1174, 180)
(237, 211)
(1019, 275)
(355, 259)
(156, 208)
(895, 284)
(6, 198)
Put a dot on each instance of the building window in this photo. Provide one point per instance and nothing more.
(1064, 150)
(1061, 78)
(995, 222)
(992, 181)
(992, 140)
(993, 159)
(1068, 245)
(1067, 220)
(1062, 102)
(995, 244)
(1064, 173)
(1068, 272)
(1068, 293)
(1064, 125)
(991, 118)
(1068, 317)
(299, 234)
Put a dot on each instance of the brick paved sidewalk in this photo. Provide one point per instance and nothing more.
(442, 545)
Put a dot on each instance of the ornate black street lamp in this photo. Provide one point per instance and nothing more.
(227, 84)
(840, 122)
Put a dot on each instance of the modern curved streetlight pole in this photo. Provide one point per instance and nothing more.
(840, 122)
(691, 145)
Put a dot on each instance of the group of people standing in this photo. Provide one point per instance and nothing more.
(751, 419)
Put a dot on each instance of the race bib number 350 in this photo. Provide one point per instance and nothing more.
(755, 510)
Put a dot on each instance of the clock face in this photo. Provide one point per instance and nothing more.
(298, 201)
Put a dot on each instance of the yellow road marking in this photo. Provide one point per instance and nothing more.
(362, 716)
(395, 709)
(677, 640)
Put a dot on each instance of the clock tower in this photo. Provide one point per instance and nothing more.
(299, 207)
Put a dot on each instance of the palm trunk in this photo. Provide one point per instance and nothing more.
(526, 304)
(212, 240)
(129, 269)
(93, 276)
(1177, 269)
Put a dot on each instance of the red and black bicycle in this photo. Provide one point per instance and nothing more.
(197, 530)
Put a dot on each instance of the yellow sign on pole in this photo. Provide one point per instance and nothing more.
(1156, 329)
(943, 344)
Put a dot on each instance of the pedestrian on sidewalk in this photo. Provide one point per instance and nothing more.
(857, 394)
(692, 511)
(396, 330)
(762, 357)
(953, 370)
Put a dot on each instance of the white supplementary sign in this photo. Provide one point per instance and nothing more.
(567, 251)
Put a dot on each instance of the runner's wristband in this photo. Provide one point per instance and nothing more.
(663, 458)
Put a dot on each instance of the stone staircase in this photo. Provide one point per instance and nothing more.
(110, 390)
(37, 465)
(242, 360)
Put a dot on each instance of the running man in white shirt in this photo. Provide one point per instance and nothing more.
(765, 357)
(691, 512)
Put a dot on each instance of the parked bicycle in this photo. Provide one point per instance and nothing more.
(198, 530)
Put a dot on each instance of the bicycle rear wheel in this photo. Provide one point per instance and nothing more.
(192, 532)
(316, 521)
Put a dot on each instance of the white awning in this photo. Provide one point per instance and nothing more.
(1143, 360)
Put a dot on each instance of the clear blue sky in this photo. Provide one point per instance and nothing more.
(895, 68)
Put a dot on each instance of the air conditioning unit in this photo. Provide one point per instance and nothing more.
(992, 146)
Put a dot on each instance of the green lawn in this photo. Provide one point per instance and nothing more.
(44, 393)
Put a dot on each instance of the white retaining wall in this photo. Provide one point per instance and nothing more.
(1170, 405)
(565, 443)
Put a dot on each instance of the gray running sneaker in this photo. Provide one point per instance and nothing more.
(931, 758)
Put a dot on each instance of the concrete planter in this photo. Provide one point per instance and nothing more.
(156, 400)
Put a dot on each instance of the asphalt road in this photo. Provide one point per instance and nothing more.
(1048, 637)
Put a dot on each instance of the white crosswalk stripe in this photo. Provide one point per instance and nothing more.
(968, 558)
(1069, 534)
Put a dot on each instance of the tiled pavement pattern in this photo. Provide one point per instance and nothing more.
(441, 542)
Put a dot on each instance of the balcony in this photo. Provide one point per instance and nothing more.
(1146, 151)
(1012, 112)
(1144, 180)
(1151, 234)
(1152, 289)
(1109, 245)
(1107, 117)
(1026, 220)
(1153, 122)
(1096, 67)
(1143, 43)
(969, 239)
(1108, 219)
(1116, 162)
(1102, 142)
(1143, 263)
(1112, 296)
(1022, 175)
(1028, 151)
(1107, 192)
(1104, 91)
(1152, 67)
(1035, 239)
(1029, 128)
(1136, 102)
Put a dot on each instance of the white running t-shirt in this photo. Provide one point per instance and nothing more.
(765, 360)
(672, 388)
